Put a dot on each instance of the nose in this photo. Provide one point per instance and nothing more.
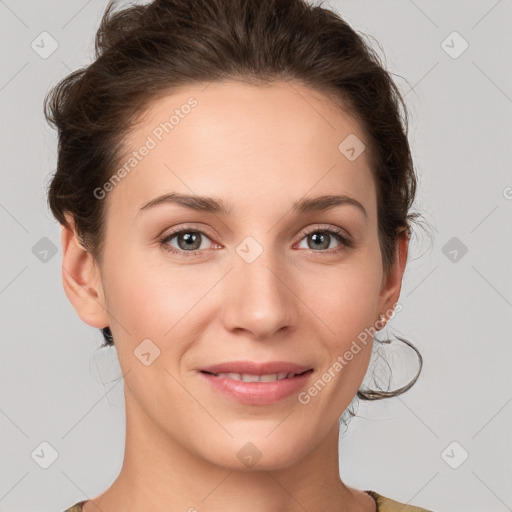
(259, 299)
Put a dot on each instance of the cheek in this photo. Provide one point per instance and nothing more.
(346, 347)
(346, 297)
(346, 301)
(156, 300)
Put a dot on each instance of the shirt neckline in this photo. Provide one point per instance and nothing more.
(373, 495)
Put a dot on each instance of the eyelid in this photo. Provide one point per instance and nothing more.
(185, 227)
(305, 231)
(326, 227)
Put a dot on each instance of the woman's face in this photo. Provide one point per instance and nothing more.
(260, 282)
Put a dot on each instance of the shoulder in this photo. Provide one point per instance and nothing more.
(388, 505)
(77, 507)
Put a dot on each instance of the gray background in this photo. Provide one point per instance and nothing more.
(58, 388)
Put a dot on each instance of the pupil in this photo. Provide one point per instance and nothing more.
(316, 238)
(190, 239)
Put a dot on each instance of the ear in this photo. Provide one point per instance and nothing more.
(81, 279)
(392, 283)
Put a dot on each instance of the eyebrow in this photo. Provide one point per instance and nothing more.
(218, 206)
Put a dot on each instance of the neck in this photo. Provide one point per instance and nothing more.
(160, 474)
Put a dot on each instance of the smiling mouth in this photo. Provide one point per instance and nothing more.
(248, 377)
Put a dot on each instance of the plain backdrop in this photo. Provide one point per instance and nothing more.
(443, 445)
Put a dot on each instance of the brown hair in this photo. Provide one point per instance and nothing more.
(145, 52)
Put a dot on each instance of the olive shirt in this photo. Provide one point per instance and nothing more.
(383, 505)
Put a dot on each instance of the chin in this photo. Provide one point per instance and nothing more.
(257, 453)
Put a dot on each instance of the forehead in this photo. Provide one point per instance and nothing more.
(280, 141)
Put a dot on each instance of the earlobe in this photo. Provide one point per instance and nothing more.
(81, 279)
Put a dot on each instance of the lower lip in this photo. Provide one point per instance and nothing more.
(262, 393)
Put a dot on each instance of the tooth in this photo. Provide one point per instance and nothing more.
(247, 377)
(269, 377)
(235, 376)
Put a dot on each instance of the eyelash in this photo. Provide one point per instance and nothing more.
(346, 241)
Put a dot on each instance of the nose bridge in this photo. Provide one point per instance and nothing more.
(262, 301)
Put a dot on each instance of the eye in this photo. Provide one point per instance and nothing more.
(188, 241)
(322, 237)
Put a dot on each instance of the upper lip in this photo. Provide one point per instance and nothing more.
(254, 368)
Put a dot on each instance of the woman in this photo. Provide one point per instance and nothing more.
(234, 185)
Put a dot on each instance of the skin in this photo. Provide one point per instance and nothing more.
(260, 149)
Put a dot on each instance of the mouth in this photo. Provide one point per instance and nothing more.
(251, 377)
(253, 383)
